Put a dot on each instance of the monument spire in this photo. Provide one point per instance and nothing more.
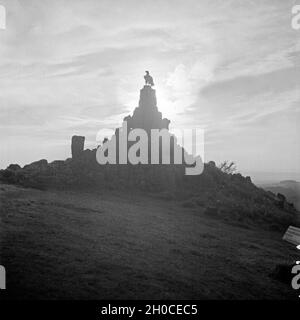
(146, 115)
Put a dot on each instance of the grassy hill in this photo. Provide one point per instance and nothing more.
(76, 245)
(289, 188)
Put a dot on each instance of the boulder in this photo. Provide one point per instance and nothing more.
(37, 165)
(211, 164)
(13, 167)
(281, 201)
(56, 164)
(248, 179)
(281, 197)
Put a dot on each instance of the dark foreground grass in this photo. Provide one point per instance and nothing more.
(70, 245)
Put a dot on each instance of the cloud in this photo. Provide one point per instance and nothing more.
(76, 67)
(246, 86)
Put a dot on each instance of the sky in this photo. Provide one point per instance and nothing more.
(76, 67)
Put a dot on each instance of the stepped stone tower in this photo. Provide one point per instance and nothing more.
(146, 116)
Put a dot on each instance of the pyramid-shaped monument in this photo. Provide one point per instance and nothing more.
(146, 116)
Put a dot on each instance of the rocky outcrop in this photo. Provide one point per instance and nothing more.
(13, 167)
(283, 204)
(220, 194)
(39, 165)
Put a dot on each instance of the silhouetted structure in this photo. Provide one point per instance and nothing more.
(146, 116)
(220, 194)
(148, 79)
(77, 146)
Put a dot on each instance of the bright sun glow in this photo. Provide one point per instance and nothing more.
(164, 103)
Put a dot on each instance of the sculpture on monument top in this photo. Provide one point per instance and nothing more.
(148, 79)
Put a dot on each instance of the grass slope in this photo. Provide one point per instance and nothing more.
(69, 245)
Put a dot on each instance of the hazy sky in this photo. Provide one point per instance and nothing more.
(74, 67)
